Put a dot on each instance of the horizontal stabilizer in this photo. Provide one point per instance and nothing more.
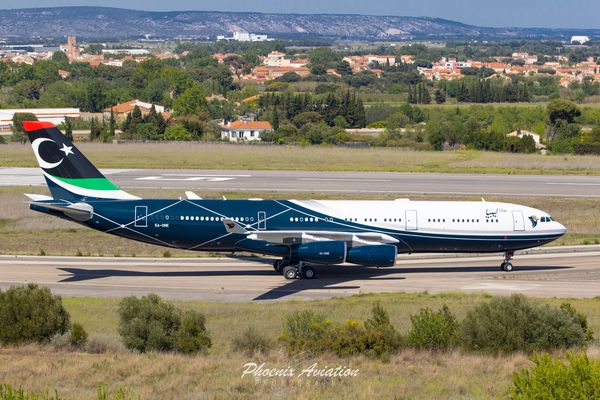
(38, 197)
(192, 196)
(78, 211)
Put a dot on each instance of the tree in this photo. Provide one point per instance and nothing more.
(343, 68)
(69, 128)
(562, 110)
(440, 97)
(191, 102)
(17, 125)
(177, 132)
(95, 129)
(275, 121)
(112, 123)
(60, 57)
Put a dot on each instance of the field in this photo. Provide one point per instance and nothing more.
(200, 155)
(27, 232)
(409, 374)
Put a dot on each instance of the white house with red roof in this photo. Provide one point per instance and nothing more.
(244, 130)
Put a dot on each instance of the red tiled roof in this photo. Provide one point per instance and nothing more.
(248, 125)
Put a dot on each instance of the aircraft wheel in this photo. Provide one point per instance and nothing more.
(308, 273)
(290, 272)
(506, 266)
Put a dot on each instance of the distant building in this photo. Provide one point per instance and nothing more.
(242, 36)
(55, 115)
(580, 39)
(536, 138)
(244, 130)
(132, 52)
(121, 110)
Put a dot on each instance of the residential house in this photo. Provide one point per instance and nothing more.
(121, 110)
(244, 130)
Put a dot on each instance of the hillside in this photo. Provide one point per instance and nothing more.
(115, 23)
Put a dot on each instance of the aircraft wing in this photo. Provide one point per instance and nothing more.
(289, 237)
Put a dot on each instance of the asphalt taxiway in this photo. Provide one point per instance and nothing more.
(563, 274)
(335, 182)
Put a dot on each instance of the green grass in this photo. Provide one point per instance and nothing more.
(409, 374)
(199, 155)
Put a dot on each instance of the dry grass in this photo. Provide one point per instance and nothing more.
(409, 374)
(323, 158)
(27, 232)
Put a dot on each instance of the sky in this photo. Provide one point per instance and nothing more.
(494, 13)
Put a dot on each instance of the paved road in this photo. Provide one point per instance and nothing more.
(336, 182)
(234, 280)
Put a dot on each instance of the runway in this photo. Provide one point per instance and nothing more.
(335, 182)
(252, 279)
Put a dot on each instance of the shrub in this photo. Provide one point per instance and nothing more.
(433, 330)
(149, 323)
(311, 332)
(78, 336)
(250, 342)
(102, 343)
(381, 336)
(31, 314)
(307, 331)
(554, 379)
(508, 324)
(192, 336)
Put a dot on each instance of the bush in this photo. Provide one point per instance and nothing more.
(508, 324)
(192, 336)
(31, 314)
(307, 331)
(553, 379)
(177, 132)
(149, 323)
(311, 332)
(102, 343)
(250, 342)
(78, 336)
(433, 330)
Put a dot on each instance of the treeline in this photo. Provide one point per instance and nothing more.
(331, 106)
(494, 90)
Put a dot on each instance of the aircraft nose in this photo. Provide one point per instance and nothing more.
(561, 228)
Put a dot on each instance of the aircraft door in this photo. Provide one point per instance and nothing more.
(411, 220)
(262, 220)
(141, 216)
(518, 221)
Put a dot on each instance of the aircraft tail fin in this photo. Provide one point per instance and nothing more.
(69, 174)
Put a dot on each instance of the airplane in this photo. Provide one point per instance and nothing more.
(297, 232)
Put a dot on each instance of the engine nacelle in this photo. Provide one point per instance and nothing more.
(323, 252)
(263, 247)
(381, 255)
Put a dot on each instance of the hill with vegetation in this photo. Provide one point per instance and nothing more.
(115, 23)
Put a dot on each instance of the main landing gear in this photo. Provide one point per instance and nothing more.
(291, 270)
(506, 265)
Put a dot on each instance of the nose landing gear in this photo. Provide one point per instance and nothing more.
(506, 264)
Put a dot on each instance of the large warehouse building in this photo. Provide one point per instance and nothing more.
(55, 115)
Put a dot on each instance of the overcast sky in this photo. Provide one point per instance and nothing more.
(502, 13)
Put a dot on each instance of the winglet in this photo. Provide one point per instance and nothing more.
(232, 226)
